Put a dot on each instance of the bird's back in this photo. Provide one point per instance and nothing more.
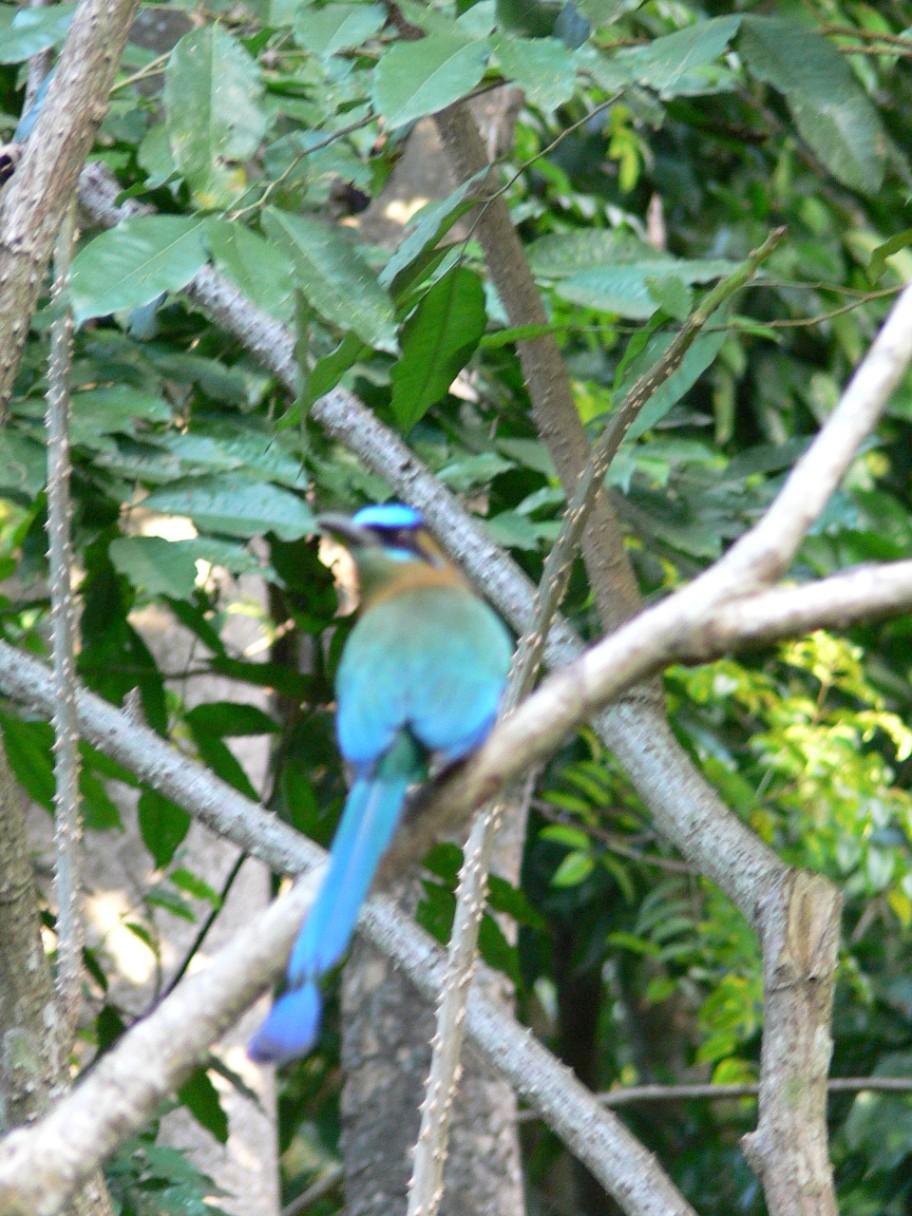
(430, 657)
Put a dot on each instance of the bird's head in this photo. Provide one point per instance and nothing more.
(388, 541)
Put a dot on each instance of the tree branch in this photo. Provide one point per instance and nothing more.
(67, 817)
(685, 808)
(40, 1166)
(615, 1157)
(426, 1186)
(33, 203)
(33, 1035)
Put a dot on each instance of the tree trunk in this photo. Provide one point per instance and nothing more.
(386, 1053)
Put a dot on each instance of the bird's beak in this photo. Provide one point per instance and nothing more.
(342, 527)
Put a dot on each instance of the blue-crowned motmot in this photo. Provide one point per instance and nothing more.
(422, 671)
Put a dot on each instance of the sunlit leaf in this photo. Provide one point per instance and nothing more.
(212, 112)
(133, 263)
(417, 78)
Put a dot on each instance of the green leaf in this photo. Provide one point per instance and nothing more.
(218, 756)
(163, 825)
(663, 64)
(254, 264)
(513, 530)
(336, 27)
(561, 833)
(543, 67)
(559, 255)
(35, 29)
(630, 290)
(468, 471)
(115, 409)
(201, 1098)
(428, 226)
(130, 265)
(629, 941)
(158, 566)
(213, 113)
(99, 811)
(223, 447)
(334, 278)
(672, 295)
(695, 362)
(573, 870)
(228, 718)
(154, 155)
(328, 371)
(437, 342)
(191, 884)
(28, 749)
(878, 262)
(238, 506)
(23, 465)
(829, 107)
(418, 78)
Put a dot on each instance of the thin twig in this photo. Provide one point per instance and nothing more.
(849, 31)
(67, 816)
(154, 67)
(296, 160)
(626, 1095)
(613, 841)
(203, 931)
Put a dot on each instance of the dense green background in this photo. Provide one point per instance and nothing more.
(285, 117)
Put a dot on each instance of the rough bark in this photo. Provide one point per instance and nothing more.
(387, 1031)
(32, 1032)
(553, 408)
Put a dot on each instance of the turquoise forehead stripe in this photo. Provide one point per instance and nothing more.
(388, 515)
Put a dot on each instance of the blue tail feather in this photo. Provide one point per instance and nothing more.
(368, 822)
(366, 828)
(291, 1028)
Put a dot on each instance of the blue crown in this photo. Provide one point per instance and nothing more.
(393, 515)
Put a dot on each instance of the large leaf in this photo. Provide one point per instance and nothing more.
(695, 362)
(829, 107)
(634, 290)
(334, 277)
(133, 263)
(34, 29)
(428, 225)
(666, 61)
(437, 342)
(202, 1100)
(564, 253)
(159, 566)
(163, 825)
(212, 112)
(237, 506)
(336, 27)
(225, 448)
(417, 78)
(168, 567)
(99, 412)
(256, 265)
(543, 67)
(23, 465)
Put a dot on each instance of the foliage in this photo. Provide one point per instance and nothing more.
(265, 130)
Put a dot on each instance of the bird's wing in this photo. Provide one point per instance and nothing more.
(434, 660)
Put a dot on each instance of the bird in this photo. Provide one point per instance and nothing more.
(421, 673)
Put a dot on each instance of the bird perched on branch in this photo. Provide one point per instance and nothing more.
(422, 671)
